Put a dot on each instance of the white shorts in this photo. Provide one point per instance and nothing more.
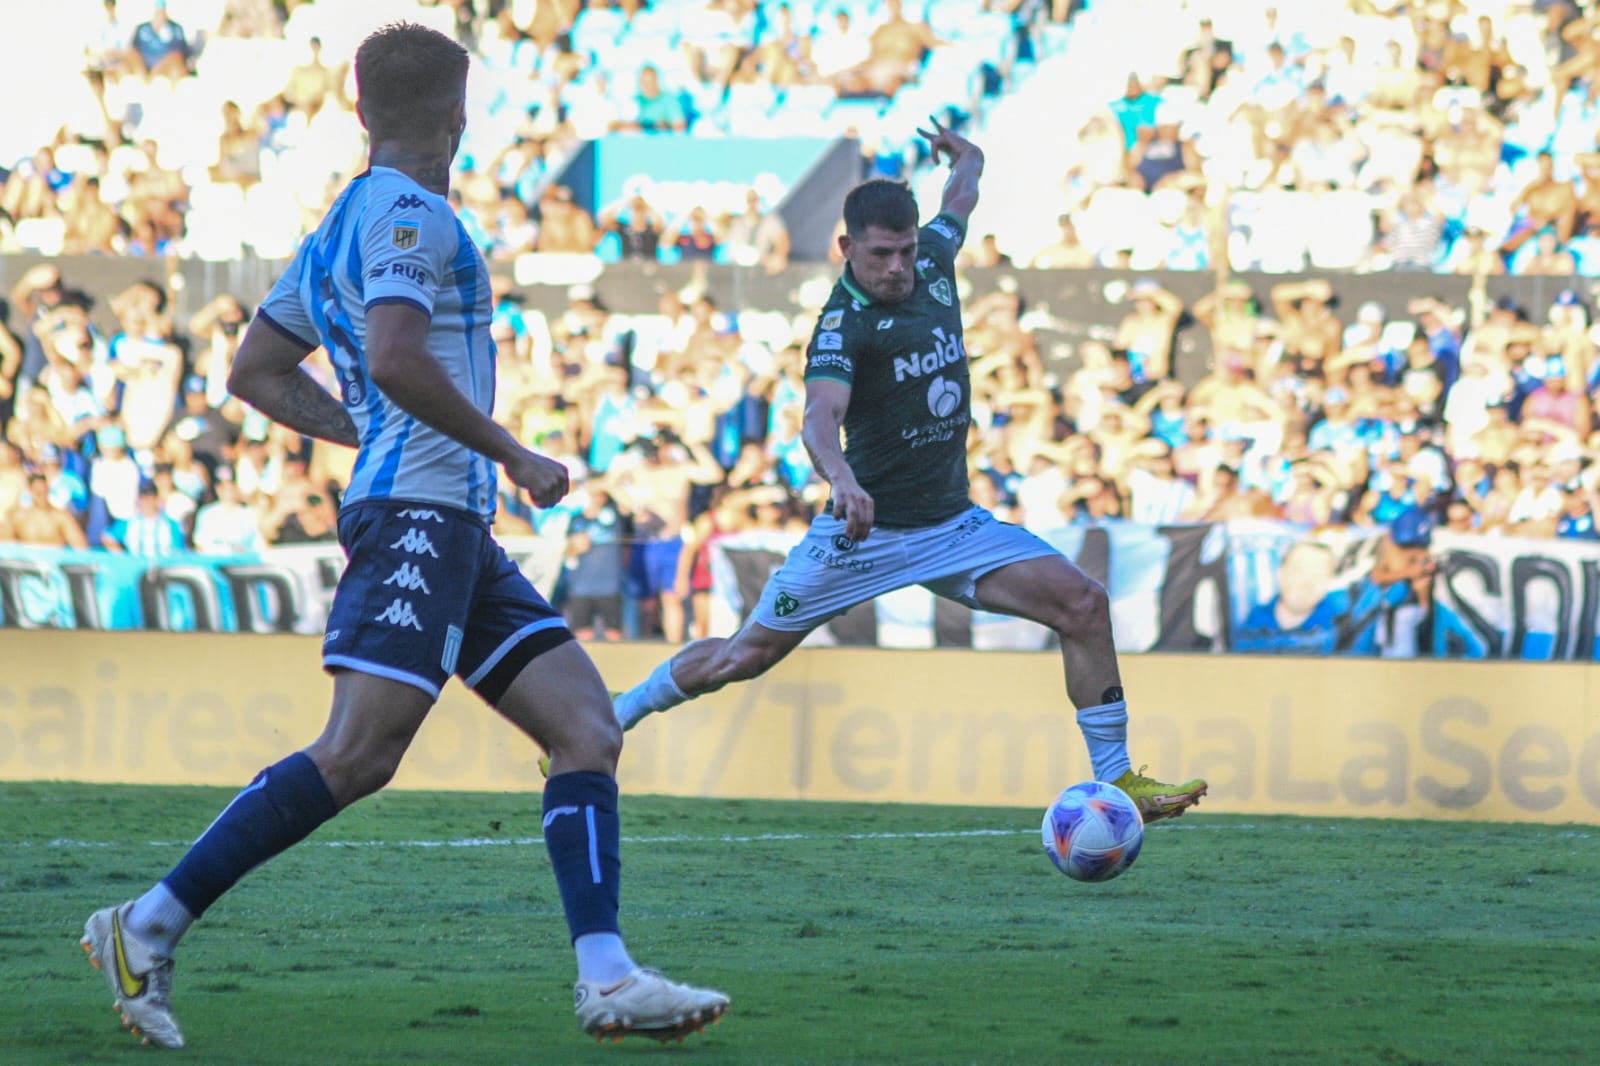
(827, 573)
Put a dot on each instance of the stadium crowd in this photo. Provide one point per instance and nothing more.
(683, 425)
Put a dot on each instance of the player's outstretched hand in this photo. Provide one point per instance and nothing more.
(948, 141)
(545, 480)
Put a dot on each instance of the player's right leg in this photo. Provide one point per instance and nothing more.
(823, 576)
(133, 944)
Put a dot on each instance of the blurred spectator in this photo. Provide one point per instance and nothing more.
(757, 238)
(1067, 253)
(149, 532)
(696, 236)
(238, 150)
(634, 228)
(1545, 204)
(1134, 110)
(1146, 331)
(312, 81)
(564, 227)
(591, 579)
(227, 525)
(37, 519)
(159, 46)
(207, 434)
(655, 109)
(897, 49)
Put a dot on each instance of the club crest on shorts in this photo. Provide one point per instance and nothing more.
(405, 233)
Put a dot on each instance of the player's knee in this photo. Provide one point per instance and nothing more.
(591, 740)
(1085, 603)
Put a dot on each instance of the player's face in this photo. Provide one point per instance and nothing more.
(883, 262)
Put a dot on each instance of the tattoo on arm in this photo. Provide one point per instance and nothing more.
(301, 404)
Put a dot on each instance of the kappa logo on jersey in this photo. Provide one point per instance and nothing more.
(422, 514)
(940, 290)
(409, 577)
(409, 202)
(943, 228)
(416, 542)
(947, 349)
(885, 323)
(398, 614)
(404, 234)
(943, 397)
(829, 342)
(832, 319)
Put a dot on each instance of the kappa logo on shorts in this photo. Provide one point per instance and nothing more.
(400, 613)
(422, 514)
(416, 542)
(409, 577)
(786, 605)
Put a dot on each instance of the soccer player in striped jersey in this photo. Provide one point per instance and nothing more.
(886, 370)
(399, 296)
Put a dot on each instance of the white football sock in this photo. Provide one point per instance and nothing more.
(603, 959)
(1105, 730)
(658, 692)
(159, 919)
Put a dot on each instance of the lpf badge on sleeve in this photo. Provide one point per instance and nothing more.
(404, 235)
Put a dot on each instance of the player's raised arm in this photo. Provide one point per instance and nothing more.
(966, 167)
(826, 402)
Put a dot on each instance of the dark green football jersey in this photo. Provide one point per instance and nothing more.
(905, 428)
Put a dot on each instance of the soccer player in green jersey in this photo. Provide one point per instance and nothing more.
(887, 366)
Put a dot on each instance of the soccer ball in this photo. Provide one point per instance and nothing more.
(1092, 832)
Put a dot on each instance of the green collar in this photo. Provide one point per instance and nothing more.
(853, 289)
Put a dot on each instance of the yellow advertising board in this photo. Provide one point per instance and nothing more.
(1274, 735)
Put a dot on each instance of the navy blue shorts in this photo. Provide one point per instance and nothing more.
(428, 593)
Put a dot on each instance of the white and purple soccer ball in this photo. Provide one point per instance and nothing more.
(1093, 831)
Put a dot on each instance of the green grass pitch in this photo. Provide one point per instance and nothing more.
(424, 927)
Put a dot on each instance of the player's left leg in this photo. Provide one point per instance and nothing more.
(560, 701)
(1051, 590)
(522, 660)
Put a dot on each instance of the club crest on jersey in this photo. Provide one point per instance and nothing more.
(405, 233)
(940, 290)
(832, 319)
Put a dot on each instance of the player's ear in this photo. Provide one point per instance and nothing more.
(844, 245)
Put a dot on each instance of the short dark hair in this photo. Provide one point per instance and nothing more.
(880, 202)
(409, 81)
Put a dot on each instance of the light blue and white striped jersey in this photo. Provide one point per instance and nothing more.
(389, 240)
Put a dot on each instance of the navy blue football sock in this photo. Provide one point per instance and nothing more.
(584, 836)
(278, 809)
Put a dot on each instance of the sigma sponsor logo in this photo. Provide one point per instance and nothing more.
(947, 349)
(839, 562)
(836, 360)
(829, 342)
(832, 319)
(416, 542)
(969, 528)
(401, 615)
